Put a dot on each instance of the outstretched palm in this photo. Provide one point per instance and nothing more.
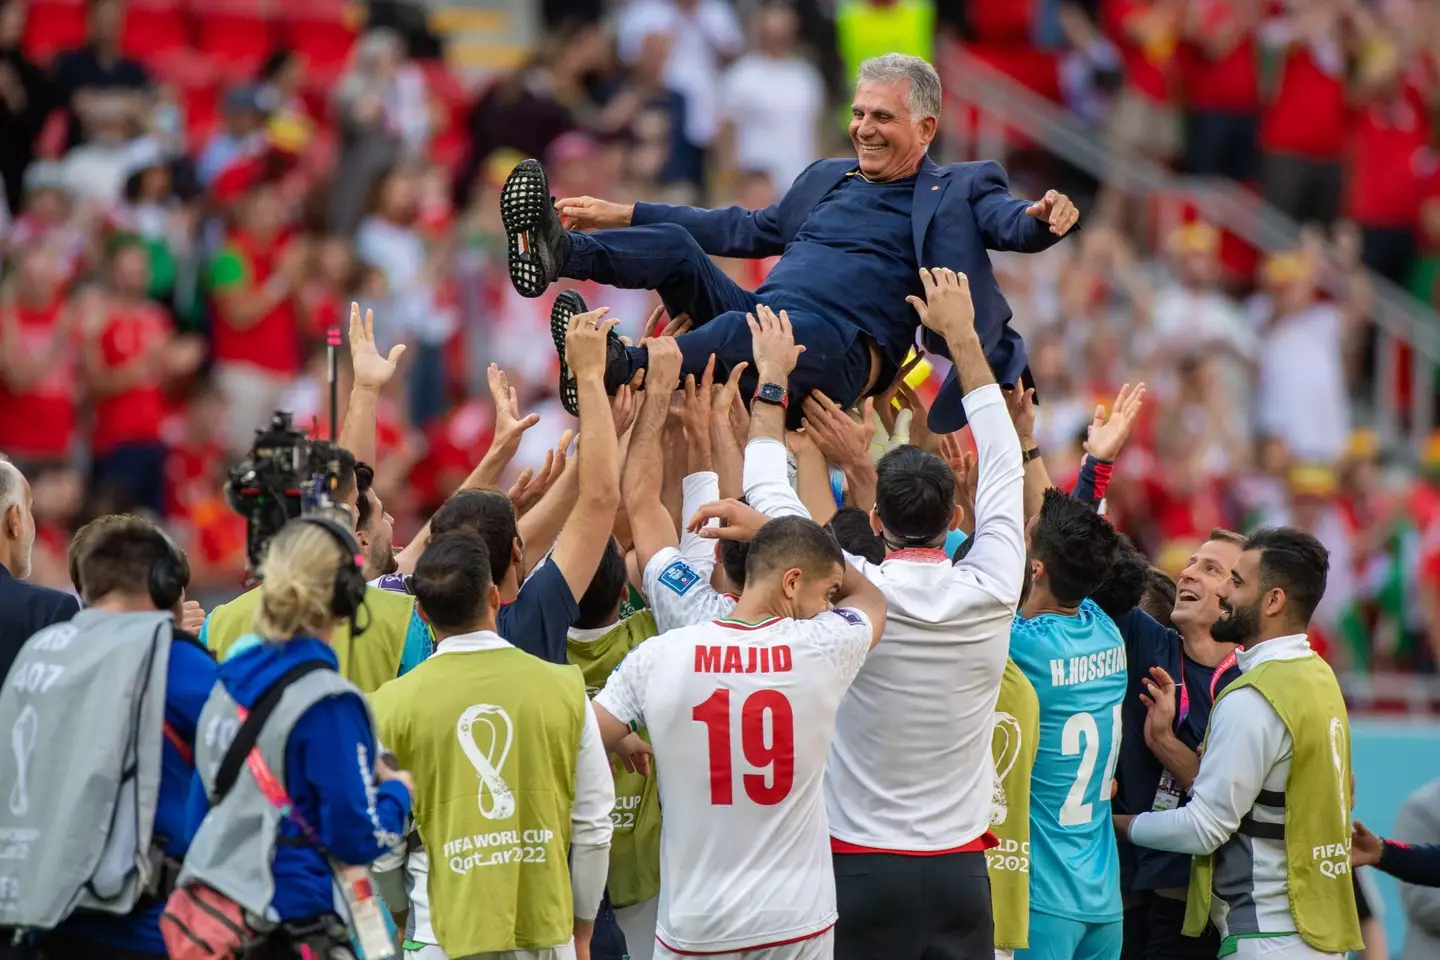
(371, 369)
(1107, 435)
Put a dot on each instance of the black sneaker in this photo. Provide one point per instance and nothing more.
(617, 359)
(537, 238)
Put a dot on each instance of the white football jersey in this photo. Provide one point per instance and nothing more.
(740, 717)
(680, 594)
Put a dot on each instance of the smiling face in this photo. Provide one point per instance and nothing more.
(1197, 603)
(1240, 602)
(889, 141)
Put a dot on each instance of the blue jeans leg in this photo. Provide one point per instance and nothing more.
(662, 257)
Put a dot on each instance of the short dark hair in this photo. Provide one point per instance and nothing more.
(734, 555)
(488, 513)
(1295, 562)
(787, 542)
(345, 485)
(602, 596)
(117, 557)
(851, 528)
(914, 495)
(1076, 544)
(1158, 600)
(364, 479)
(1125, 586)
(452, 580)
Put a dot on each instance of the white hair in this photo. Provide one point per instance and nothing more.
(922, 98)
(12, 485)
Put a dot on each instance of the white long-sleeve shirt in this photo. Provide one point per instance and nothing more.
(1247, 750)
(590, 824)
(677, 582)
(910, 767)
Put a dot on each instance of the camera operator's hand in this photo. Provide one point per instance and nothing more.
(372, 371)
(585, 343)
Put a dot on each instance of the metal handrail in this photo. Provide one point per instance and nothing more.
(1001, 101)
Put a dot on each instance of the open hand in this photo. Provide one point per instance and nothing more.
(1021, 404)
(509, 425)
(842, 441)
(585, 344)
(1365, 847)
(738, 521)
(625, 405)
(1107, 434)
(1055, 209)
(1159, 700)
(947, 308)
(372, 371)
(532, 484)
(964, 465)
(590, 213)
(775, 350)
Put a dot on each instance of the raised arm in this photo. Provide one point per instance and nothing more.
(371, 372)
(587, 531)
(1019, 225)
(767, 480)
(996, 561)
(650, 521)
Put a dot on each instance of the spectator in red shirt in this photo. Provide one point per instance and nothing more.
(1391, 127)
(1146, 32)
(1220, 75)
(37, 362)
(255, 335)
(1302, 132)
(130, 354)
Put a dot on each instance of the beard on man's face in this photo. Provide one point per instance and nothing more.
(382, 559)
(1238, 625)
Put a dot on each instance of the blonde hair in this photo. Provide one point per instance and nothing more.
(298, 582)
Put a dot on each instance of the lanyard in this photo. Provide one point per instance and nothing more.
(1225, 664)
(271, 789)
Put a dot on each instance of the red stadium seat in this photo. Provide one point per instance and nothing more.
(52, 26)
(237, 34)
(154, 27)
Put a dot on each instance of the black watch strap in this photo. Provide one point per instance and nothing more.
(1032, 454)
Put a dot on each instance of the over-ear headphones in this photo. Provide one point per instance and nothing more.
(169, 576)
(349, 591)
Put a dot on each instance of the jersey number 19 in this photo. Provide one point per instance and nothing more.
(778, 754)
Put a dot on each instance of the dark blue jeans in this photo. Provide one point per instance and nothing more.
(665, 258)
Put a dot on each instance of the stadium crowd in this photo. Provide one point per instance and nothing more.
(859, 587)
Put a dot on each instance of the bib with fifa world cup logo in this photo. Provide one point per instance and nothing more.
(1317, 802)
(1016, 736)
(491, 738)
(635, 845)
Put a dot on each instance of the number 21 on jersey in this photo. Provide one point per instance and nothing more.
(767, 740)
(1081, 735)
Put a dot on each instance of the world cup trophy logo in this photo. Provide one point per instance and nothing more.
(22, 744)
(493, 725)
(1005, 744)
(1337, 754)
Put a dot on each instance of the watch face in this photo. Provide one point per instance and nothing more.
(772, 393)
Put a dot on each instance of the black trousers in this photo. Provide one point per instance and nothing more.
(894, 907)
(1152, 932)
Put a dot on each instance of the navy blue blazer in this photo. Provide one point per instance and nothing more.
(960, 211)
(26, 609)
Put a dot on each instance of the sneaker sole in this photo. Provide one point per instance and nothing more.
(523, 203)
(567, 305)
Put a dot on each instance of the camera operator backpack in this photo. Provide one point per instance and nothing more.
(82, 718)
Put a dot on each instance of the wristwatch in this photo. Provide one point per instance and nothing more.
(773, 393)
(1032, 454)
